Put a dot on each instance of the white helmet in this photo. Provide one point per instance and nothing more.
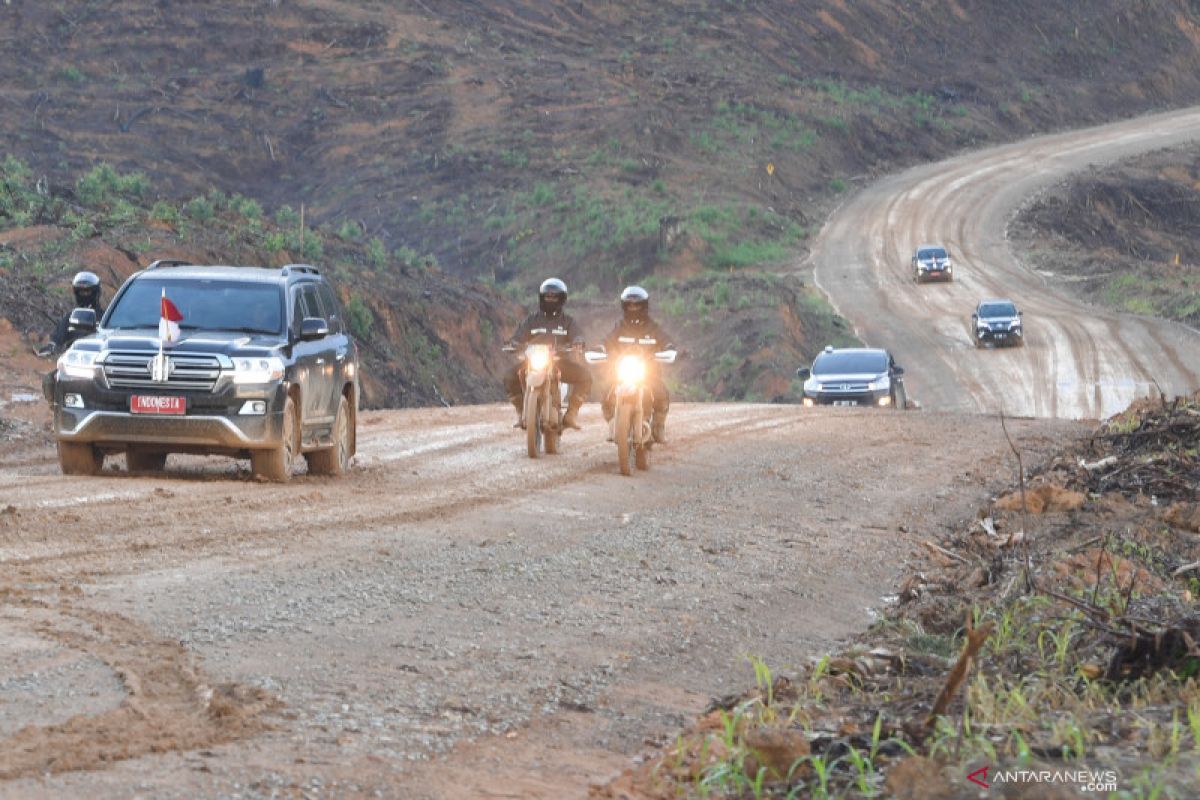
(552, 295)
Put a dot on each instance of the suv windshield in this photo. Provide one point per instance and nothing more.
(989, 310)
(210, 305)
(931, 252)
(857, 363)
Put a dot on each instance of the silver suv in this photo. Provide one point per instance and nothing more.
(854, 376)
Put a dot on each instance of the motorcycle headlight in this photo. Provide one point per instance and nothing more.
(538, 356)
(631, 369)
(257, 370)
(78, 363)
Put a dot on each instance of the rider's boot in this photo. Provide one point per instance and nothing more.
(518, 402)
(569, 419)
(658, 427)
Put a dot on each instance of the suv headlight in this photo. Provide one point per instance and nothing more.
(257, 370)
(878, 383)
(78, 363)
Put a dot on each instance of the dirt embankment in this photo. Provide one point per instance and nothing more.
(1125, 237)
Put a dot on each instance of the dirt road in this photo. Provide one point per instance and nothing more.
(200, 634)
(1078, 361)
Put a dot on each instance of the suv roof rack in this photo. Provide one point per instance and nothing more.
(307, 269)
(170, 262)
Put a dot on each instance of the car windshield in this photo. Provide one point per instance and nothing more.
(988, 310)
(932, 252)
(850, 363)
(207, 305)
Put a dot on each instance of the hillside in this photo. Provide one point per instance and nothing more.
(1123, 237)
(604, 142)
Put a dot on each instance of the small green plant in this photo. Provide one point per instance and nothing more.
(359, 318)
(377, 253)
(71, 74)
(199, 209)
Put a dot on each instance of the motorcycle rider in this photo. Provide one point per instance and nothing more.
(549, 325)
(637, 332)
(86, 288)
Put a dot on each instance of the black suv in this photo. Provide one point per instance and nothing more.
(931, 262)
(854, 376)
(998, 322)
(261, 367)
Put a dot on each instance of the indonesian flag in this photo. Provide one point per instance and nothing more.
(168, 325)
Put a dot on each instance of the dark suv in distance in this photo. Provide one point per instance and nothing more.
(854, 376)
(263, 368)
(931, 262)
(998, 322)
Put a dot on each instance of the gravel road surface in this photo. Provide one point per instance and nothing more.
(201, 634)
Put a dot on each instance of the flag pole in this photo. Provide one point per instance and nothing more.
(162, 367)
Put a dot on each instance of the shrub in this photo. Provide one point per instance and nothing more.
(359, 318)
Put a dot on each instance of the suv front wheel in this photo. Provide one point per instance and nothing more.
(276, 464)
(77, 458)
(334, 460)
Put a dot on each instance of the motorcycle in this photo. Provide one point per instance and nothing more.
(545, 399)
(632, 406)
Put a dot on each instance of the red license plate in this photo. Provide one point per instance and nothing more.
(157, 404)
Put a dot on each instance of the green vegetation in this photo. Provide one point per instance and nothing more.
(740, 237)
(359, 318)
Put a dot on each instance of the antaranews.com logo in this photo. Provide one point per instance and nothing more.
(1084, 780)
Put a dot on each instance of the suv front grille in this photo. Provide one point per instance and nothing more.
(187, 371)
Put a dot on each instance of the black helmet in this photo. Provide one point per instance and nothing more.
(635, 304)
(552, 296)
(86, 286)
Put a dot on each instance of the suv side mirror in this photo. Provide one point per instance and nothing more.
(1020, 313)
(803, 373)
(313, 328)
(897, 370)
(83, 320)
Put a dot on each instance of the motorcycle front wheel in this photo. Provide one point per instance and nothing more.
(623, 436)
(534, 411)
(553, 420)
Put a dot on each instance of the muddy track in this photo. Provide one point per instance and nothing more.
(1078, 361)
(197, 633)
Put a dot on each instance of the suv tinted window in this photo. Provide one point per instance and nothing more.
(850, 364)
(305, 304)
(998, 310)
(205, 305)
(931, 252)
(330, 305)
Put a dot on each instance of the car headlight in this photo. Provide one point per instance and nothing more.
(257, 370)
(878, 383)
(811, 385)
(538, 356)
(631, 369)
(78, 363)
